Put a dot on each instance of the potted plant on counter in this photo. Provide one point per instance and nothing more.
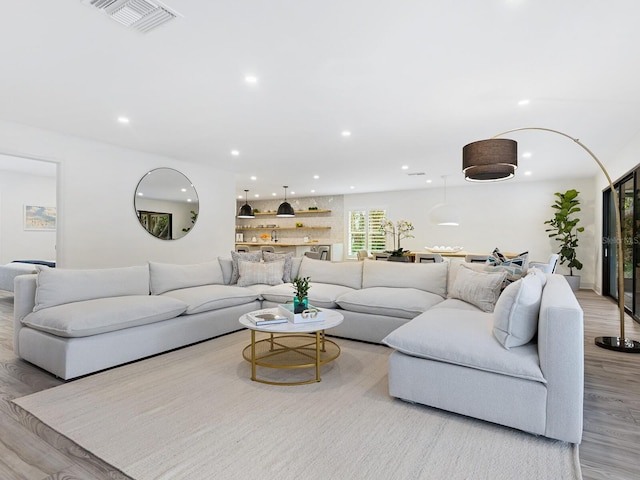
(564, 228)
(398, 231)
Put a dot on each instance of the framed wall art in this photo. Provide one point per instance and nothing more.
(39, 218)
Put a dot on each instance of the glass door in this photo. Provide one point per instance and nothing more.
(630, 216)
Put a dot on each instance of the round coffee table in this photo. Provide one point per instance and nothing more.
(289, 346)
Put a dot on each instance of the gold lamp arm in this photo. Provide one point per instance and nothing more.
(616, 204)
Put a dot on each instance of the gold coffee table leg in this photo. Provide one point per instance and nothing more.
(318, 355)
(253, 355)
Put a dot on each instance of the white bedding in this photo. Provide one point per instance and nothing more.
(11, 270)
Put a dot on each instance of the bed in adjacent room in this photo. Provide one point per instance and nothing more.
(19, 267)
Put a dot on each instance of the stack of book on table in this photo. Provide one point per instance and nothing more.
(267, 317)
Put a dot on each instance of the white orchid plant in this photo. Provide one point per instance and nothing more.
(399, 230)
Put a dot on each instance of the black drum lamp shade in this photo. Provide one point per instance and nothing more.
(490, 160)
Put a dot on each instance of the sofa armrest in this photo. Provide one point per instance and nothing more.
(561, 352)
(24, 299)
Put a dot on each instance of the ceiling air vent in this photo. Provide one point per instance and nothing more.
(416, 174)
(141, 15)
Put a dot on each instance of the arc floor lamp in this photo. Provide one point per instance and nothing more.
(496, 159)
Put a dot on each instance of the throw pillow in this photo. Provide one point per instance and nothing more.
(276, 257)
(515, 317)
(252, 273)
(481, 289)
(514, 267)
(247, 257)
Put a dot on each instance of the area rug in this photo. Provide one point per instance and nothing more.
(195, 414)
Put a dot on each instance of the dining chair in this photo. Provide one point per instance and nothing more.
(242, 248)
(471, 258)
(268, 248)
(324, 251)
(549, 266)
(428, 258)
(314, 255)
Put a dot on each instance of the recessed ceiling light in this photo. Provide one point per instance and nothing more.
(256, 195)
(273, 194)
(183, 189)
(140, 194)
(292, 193)
(251, 79)
(316, 177)
(189, 200)
(240, 197)
(405, 167)
(352, 187)
(528, 172)
(524, 101)
(124, 120)
(235, 153)
(313, 191)
(428, 181)
(526, 155)
(254, 178)
(346, 133)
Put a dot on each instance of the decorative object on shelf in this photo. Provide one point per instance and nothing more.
(245, 210)
(285, 209)
(564, 229)
(254, 239)
(300, 291)
(444, 214)
(444, 249)
(398, 231)
(299, 225)
(481, 154)
(265, 236)
(313, 208)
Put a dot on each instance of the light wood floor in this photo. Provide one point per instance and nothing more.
(30, 450)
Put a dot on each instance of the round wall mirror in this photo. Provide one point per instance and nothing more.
(166, 204)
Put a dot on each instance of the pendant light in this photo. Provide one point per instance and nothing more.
(444, 214)
(245, 210)
(285, 209)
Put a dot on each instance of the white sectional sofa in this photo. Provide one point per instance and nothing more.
(451, 352)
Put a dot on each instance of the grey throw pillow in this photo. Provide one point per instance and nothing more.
(276, 257)
(247, 257)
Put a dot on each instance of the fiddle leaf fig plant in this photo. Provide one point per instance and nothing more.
(564, 227)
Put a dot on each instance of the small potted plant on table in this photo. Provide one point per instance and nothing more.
(301, 291)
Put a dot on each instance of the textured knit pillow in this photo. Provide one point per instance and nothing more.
(276, 257)
(252, 273)
(515, 317)
(247, 257)
(477, 288)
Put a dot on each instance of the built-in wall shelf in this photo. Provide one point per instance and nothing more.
(297, 212)
(240, 228)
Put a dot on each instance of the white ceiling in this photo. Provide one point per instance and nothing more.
(413, 80)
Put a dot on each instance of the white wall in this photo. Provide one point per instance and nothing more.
(16, 191)
(506, 215)
(97, 226)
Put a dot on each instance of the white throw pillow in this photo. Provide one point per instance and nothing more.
(276, 257)
(251, 273)
(167, 276)
(247, 257)
(515, 317)
(478, 288)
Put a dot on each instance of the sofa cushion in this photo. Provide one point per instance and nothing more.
(212, 297)
(515, 267)
(348, 274)
(226, 265)
(252, 273)
(430, 277)
(321, 295)
(477, 288)
(515, 317)
(168, 276)
(393, 302)
(57, 286)
(464, 337)
(288, 263)
(102, 315)
(247, 257)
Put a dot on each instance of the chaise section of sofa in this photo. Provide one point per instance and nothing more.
(450, 358)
